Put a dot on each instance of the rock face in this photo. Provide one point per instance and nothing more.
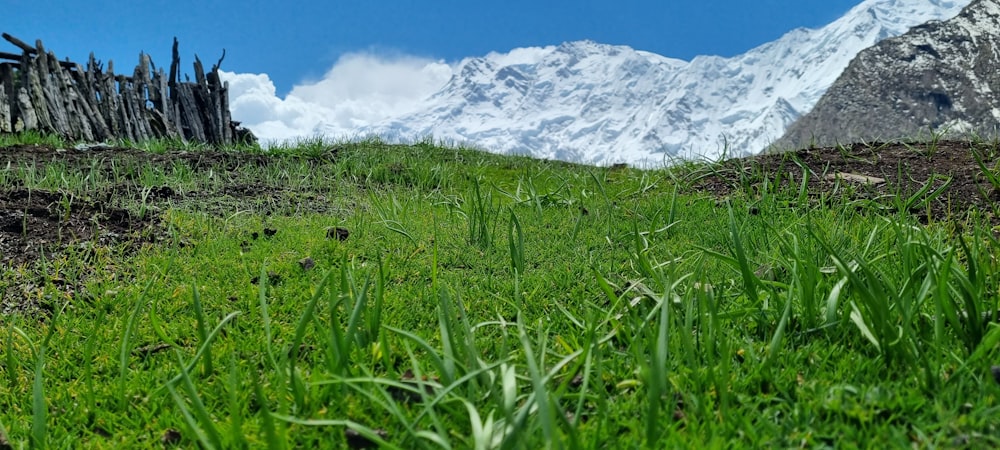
(940, 77)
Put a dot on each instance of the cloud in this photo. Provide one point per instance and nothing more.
(523, 55)
(360, 90)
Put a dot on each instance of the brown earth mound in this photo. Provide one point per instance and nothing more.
(937, 181)
(38, 222)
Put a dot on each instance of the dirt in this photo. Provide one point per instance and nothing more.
(40, 223)
(935, 182)
(43, 225)
(40, 226)
(37, 223)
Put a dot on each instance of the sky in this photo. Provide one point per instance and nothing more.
(296, 42)
(289, 63)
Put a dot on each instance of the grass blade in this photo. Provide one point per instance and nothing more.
(126, 347)
(361, 429)
(235, 405)
(207, 433)
(779, 333)
(39, 408)
(515, 240)
(750, 281)
(265, 318)
(300, 332)
(203, 347)
(274, 441)
(202, 326)
(540, 394)
(189, 419)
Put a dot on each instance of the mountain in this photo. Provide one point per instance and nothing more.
(939, 77)
(602, 104)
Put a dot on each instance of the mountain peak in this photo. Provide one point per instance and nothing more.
(938, 77)
(598, 103)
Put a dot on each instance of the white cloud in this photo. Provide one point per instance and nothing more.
(359, 90)
(524, 55)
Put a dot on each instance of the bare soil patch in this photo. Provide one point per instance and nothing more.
(43, 225)
(940, 181)
(38, 223)
(41, 222)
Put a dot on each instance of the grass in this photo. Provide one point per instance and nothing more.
(490, 302)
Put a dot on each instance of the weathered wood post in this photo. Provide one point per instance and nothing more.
(39, 92)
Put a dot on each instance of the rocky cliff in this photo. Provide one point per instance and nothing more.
(938, 77)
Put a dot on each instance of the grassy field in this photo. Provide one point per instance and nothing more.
(370, 295)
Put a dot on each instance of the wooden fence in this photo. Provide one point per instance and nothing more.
(39, 92)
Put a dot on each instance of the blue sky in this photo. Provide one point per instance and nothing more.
(296, 42)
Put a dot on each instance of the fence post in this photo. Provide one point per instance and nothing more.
(39, 92)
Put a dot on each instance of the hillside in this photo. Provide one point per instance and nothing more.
(364, 295)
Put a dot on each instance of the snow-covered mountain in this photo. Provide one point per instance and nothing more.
(602, 104)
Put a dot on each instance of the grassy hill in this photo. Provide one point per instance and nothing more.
(358, 295)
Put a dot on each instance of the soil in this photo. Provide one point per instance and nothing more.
(38, 225)
(936, 182)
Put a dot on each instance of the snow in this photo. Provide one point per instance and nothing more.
(601, 104)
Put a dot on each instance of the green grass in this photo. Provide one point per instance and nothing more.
(485, 302)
